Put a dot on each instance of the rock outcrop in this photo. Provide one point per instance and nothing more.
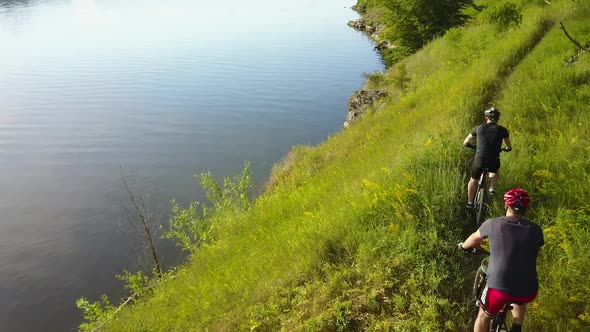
(360, 9)
(359, 102)
(384, 45)
(373, 29)
(364, 25)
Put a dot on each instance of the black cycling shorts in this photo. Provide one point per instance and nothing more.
(493, 165)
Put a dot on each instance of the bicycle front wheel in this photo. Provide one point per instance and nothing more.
(479, 283)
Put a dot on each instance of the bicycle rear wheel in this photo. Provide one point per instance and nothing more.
(499, 325)
(499, 321)
(480, 206)
(498, 329)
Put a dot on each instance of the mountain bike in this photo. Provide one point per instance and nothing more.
(480, 203)
(498, 323)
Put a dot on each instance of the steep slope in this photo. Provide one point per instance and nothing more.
(360, 232)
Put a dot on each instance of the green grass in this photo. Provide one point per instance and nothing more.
(360, 231)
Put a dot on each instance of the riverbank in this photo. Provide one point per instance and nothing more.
(360, 232)
(364, 100)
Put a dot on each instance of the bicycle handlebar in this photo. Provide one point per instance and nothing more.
(473, 251)
(474, 147)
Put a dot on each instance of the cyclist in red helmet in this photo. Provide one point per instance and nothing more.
(512, 270)
(489, 138)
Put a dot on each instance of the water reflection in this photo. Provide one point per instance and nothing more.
(86, 13)
(165, 89)
(14, 3)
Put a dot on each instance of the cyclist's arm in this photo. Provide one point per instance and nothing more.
(508, 143)
(473, 241)
(470, 138)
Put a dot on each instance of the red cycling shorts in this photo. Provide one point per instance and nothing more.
(493, 300)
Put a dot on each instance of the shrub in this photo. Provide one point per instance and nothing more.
(415, 22)
(192, 226)
(503, 16)
(94, 312)
(401, 79)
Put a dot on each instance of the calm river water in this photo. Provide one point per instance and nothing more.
(162, 90)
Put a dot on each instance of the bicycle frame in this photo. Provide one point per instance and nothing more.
(480, 203)
(499, 320)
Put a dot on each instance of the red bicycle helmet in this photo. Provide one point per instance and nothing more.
(517, 198)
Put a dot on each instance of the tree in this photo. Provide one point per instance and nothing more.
(142, 222)
(415, 22)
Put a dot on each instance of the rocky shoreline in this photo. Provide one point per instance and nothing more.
(361, 100)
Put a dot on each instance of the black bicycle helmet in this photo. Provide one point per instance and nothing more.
(492, 113)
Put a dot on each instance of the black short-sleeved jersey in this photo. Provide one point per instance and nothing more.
(489, 139)
(514, 246)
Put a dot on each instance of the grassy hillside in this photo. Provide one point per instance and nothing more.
(361, 231)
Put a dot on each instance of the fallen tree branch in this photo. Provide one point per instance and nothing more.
(116, 311)
(581, 49)
(570, 37)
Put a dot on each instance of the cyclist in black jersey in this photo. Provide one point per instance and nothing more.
(489, 138)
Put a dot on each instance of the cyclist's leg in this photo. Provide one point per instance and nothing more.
(487, 308)
(482, 322)
(518, 311)
(518, 305)
(475, 174)
(494, 179)
(494, 174)
(471, 189)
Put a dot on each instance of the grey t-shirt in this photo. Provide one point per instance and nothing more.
(514, 246)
